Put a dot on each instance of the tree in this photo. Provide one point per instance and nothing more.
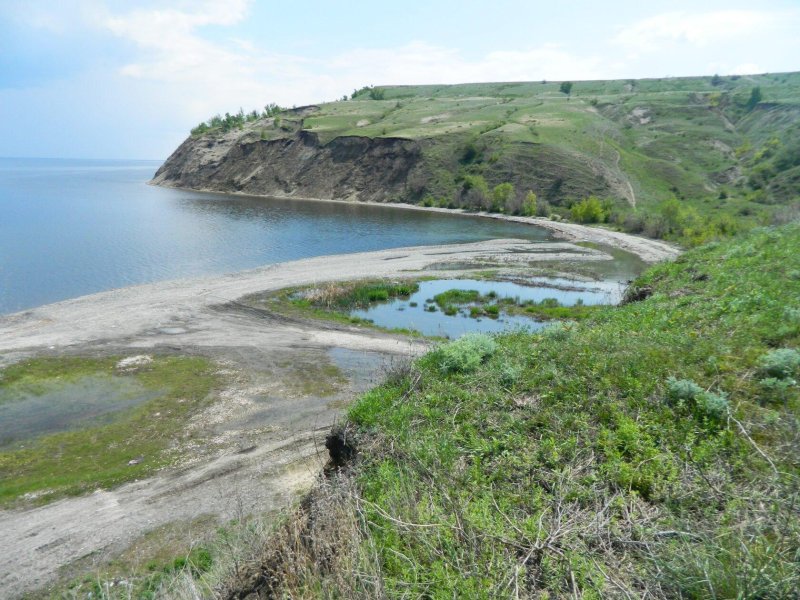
(501, 196)
(755, 98)
(566, 87)
(716, 80)
(529, 205)
(272, 109)
(589, 210)
(475, 192)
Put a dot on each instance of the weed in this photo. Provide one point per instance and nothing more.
(782, 363)
(465, 354)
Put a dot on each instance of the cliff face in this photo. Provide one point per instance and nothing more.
(347, 167)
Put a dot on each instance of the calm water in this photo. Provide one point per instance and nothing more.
(69, 228)
(56, 405)
(413, 313)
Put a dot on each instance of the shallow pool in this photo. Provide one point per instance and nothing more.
(55, 405)
(415, 312)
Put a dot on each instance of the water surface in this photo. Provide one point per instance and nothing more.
(70, 227)
(55, 406)
(413, 312)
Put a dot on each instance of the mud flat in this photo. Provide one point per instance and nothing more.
(265, 428)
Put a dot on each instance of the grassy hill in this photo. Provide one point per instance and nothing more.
(680, 157)
(648, 452)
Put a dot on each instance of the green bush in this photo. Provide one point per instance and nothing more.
(559, 331)
(682, 390)
(529, 205)
(686, 394)
(465, 354)
(713, 406)
(780, 364)
(502, 195)
(589, 210)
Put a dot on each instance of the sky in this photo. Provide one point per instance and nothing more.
(127, 79)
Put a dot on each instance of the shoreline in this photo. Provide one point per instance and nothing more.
(140, 310)
(649, 250)
(262, 411)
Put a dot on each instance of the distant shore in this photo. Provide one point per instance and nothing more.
(649, 250)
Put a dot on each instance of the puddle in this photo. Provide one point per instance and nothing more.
(55, 406)
(363, 369)
(315, 402)
(414, 312)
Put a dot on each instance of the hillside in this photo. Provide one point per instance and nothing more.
(726, 148)
(651, 451)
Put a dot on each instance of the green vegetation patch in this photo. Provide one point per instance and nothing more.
(128, 444)
(639, 454)
(347, 296)
(491, 305)
(335, 300)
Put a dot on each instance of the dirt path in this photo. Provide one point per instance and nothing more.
(264, 433)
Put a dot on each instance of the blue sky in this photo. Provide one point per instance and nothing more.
(122, 79)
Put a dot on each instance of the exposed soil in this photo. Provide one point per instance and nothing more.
(347, 167)
(263, 439)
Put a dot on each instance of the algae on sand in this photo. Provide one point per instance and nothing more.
(103, 440)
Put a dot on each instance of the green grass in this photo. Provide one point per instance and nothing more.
(491, 306)
(334, 301)
(456, 296)
(76, 462)
(647, 450)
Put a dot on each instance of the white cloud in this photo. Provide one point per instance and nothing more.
(699, 29)
(216, 76)
(179, 68)
(421, 63)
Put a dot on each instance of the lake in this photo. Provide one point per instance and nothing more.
(75, 227)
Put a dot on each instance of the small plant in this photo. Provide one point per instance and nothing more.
(686, 394)
(509, 375)
(775, 389)
(713, 406)
(780, 364)
(559, 331)
(466, 353)
(682, 391)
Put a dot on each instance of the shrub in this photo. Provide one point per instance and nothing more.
(466, 353)
(509, 375)
(475, 192)
(589, 210)
(682, 390)
(686, 394)
(529, 205)
(776, 390)
(781, 363)
(713, 406)
(501, 196)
